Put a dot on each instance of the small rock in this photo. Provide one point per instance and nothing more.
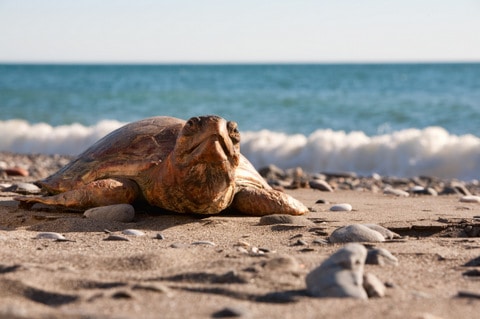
(50, 235)
(320, 185)
(373, 286)
(300, 242)
(322, 201)
(387, 233)
(133, 232)
(16, 171)
(420, 190)
(116, 238)
(396, 192)
(23, 188)
(470, 199)
(460, 188)
(341, 275)
(355, 233)
(320, 241)
(159, 236)
(204, 242)
(341, 208)
(381, 256)
(119, 213)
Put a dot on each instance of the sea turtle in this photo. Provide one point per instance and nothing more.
(192, 166)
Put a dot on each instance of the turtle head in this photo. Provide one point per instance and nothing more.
(208, 140)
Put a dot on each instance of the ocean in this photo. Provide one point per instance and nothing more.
(399, 120)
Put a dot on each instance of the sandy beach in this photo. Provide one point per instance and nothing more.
(188, 266)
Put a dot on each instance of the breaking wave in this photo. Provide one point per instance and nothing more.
(412, 152)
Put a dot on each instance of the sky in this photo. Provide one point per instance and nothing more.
(243, 31)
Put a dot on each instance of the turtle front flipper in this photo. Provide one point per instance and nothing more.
(260, 202)
(97, 193)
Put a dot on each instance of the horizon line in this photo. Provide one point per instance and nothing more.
(273, 62)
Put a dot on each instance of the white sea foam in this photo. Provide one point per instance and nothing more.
(22, 137)
(431, 151)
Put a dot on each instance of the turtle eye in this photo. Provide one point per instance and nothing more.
(192, 123)
(233, 131)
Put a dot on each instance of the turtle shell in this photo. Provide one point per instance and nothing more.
(125, 152)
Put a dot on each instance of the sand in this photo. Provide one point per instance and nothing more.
(208, 264)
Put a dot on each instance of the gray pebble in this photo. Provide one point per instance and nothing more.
(373, 286)
(320, 241)
(470, 199)
(341, 208)
(119, 213)
(320, 185)
(387, 233)
(204, 242)
(116, 238)
(355, 233)
(50, 235)
(396, 192)
(133, 232)
(23, 188)
(160, 236)
(381, 256)
(341, 275)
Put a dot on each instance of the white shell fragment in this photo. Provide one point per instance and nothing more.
(133, 232)
(341, 208)
(50, 235)
(395, 192)
(470, 199)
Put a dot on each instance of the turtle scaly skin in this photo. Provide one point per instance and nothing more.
(192, 166)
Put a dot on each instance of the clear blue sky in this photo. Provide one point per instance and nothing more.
(239, 31)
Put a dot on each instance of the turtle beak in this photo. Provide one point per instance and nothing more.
(219, 146)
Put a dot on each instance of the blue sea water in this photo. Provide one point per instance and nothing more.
(391, 119)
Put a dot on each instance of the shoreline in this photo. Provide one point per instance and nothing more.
(40, 166)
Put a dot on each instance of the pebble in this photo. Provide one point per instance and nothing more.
(116, 238)
(16, 171)
(373, 286)
(320, 241)
(50, 235)
(159, 236)
(355, 233)
(119, 213)
(23, 188)
(381, 256)
(321, 185)
(470, 199)
(396, 192)
(285, 219)
(341, 208)
(420, 190)
(204, 242)
(133, 232)
(341, 275)
(387, 233)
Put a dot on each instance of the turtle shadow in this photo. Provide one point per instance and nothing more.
(57, 219)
